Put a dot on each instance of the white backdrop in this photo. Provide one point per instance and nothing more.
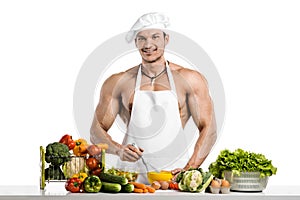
(255, 46)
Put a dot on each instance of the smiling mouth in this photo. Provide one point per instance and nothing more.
(148, 51)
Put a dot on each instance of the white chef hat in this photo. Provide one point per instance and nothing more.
(148, 21)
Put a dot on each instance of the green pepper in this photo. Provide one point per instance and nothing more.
(92, 184)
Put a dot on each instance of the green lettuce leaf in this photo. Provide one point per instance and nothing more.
(241, 161)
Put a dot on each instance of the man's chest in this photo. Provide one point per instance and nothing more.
(156, 91)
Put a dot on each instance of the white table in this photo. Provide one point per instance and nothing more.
(57, 191)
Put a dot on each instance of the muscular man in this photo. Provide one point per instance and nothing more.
(155, 99)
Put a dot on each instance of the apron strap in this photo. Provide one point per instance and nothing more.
(171, 80)
(138, 78)
(169, 73)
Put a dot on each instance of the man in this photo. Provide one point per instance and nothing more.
(156, 99)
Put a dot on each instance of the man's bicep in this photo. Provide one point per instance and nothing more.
(108, 106)
(106, 111)
(200, 102)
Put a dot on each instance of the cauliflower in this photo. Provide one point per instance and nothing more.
(193, 184)
(194, 180)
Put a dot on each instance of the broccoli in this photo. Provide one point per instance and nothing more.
(54, 173)
(57, 153)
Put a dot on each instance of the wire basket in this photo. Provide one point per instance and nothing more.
(246, 181)
(67, 170)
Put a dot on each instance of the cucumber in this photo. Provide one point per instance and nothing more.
(127, 188)
(110, 187)
(113, 178)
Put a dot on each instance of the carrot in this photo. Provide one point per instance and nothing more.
(138, 185)
(145, 190)
(136, 190)
(173, 185)
(176, 186)
(150, 189)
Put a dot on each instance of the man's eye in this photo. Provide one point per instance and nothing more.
(155, 37)
(141, 39)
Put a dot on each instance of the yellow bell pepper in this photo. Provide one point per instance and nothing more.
(80, 175)
(80, 148)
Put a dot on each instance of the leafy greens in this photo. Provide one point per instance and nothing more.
(241, 161)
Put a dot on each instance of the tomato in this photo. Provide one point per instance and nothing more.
(96, 171)
(94, 150)
(92, 163)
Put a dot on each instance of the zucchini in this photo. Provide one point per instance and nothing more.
(127, 188)
(110, 178)
(110, 187)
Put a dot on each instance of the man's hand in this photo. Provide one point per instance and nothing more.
(175, 173)
(130, 153)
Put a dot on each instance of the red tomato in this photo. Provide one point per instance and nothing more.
(92, 163)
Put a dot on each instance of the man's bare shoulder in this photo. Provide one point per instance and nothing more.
(132, 72)
(124, 75)
(118, 80)
(189, 75)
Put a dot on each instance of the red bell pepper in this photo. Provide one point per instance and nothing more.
(67, 140)
(73, 185)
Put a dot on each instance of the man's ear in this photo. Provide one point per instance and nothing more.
(135, 42)
(167, 37)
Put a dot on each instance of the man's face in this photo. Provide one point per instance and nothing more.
(151, 44)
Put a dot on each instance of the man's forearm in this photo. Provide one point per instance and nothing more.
(202, 148)
(99, 135)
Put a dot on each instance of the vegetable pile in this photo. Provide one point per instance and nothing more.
(71, 160)
(241, 161)
(82, 167)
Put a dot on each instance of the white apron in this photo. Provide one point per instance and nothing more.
(156, 127)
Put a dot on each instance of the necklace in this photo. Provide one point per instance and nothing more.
(152, 78)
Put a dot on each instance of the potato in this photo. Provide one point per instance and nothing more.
(164, 185)
(156, 185)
